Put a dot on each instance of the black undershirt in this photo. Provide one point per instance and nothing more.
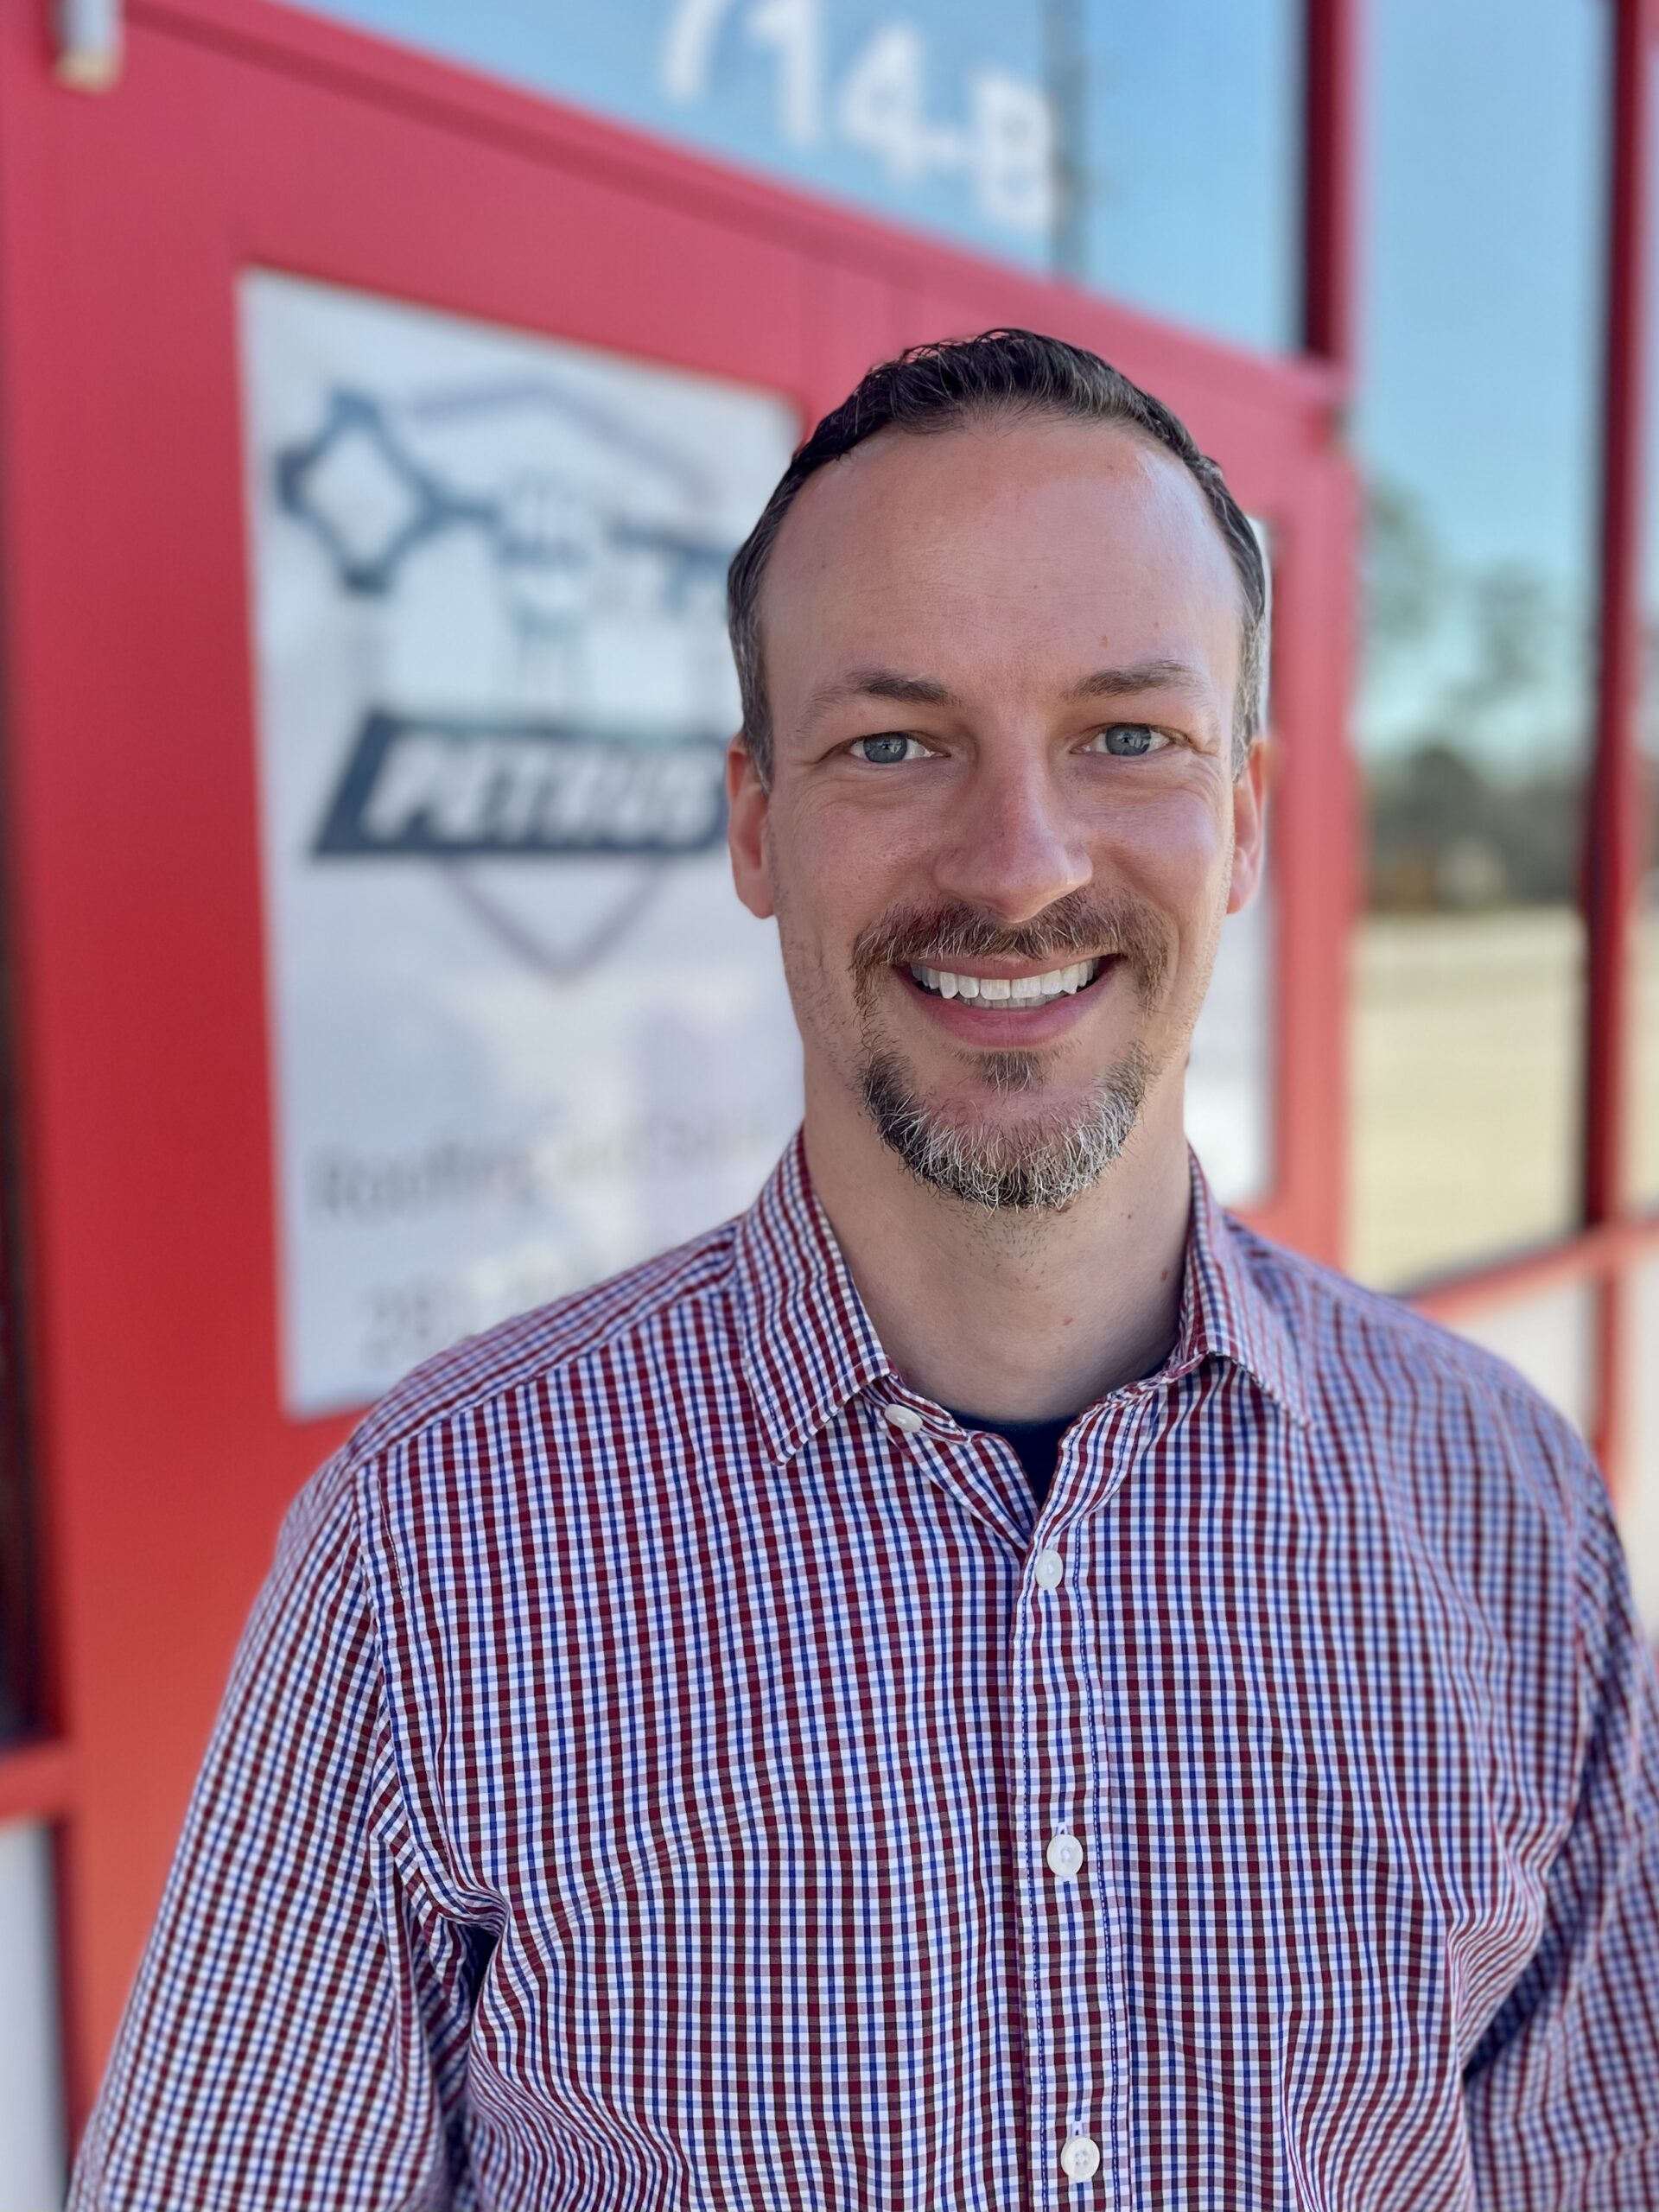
(1036, 1443)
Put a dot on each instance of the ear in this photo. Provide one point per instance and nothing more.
(1250, 788)
(745, 829)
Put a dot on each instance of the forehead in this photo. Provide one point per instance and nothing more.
(1026, 541)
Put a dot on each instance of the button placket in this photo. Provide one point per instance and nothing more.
(1079, 2077)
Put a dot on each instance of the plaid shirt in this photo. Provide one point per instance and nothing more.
(668, 1768)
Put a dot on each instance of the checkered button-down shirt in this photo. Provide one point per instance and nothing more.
(673, 1765)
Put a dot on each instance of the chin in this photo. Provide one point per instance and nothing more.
(995, 1155)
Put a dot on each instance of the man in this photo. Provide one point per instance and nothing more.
(981, 1683)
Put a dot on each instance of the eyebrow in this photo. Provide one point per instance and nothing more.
(1155, 675)
(879, 683)
(1158, 673)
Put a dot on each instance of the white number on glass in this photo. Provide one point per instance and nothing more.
(882, 106)
(790, 28)
(1005, 149)
(1013, 130)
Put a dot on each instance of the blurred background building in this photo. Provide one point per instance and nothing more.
(383, 388)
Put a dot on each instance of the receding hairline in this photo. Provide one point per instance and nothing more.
(1000, 415)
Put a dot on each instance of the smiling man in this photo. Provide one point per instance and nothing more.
(981, 1683)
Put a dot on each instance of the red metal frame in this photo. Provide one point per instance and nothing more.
(1612, 842)
(1612, 855)
(1614, 1247)
(1331, 171)
(246, 133)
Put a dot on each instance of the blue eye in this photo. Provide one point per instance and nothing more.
(887, 750)
(1127, 741)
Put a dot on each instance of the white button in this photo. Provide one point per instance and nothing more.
(1050, 1570)
(1065, 1855)
(1080, 2158)
(905, 1419)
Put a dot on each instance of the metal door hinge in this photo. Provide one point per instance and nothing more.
(87, 38)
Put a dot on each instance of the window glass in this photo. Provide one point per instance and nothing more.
(1153, 152)
(1187, 153)
(1638, 1489)
(1476, 427)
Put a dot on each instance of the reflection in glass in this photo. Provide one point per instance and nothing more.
(1638, 1488)
(1153, 153)
(1476, 430)
(1180, 138)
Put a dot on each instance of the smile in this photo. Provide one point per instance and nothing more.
(1007, 991)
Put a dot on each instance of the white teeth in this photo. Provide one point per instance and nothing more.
(1009, 990)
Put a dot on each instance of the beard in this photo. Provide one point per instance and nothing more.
(1042, 1160)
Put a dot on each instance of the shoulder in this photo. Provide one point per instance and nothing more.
(1371, 1363)
(533, 1349)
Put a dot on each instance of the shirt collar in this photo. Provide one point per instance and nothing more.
(808, 1346)
(1225, 1313)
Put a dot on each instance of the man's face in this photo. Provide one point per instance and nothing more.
(1003, 829)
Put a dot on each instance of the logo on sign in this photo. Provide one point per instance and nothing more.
(465, 790)
(587, 528)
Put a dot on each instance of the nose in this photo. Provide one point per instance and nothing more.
(1012, 842)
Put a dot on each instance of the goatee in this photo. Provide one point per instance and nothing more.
(1044, 1163)
(1050, 1158)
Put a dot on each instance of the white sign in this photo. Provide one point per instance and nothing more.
(524, 1033)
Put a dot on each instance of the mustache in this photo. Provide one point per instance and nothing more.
(1082, 925)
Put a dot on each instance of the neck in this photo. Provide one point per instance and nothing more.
(1015, 1316)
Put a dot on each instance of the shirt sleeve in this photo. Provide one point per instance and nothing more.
(1562, 2099)
(296, 2037)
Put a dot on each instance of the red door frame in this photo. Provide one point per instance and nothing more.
(245, 133)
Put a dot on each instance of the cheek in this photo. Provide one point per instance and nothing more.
(834, 872)
(1175, 848)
